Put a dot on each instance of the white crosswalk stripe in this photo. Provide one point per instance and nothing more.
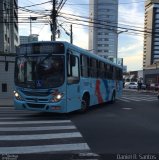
(29, 135)
(44, 148)
(36, 128)
(137, 98)
(36, 122)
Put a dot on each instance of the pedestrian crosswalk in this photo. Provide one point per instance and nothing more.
(138, 98)
(21, 134)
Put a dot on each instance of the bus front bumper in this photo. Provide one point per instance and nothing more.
(58, 107)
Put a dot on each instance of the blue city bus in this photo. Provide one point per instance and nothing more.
(61, 77)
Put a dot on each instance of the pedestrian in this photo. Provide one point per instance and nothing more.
(139, 85)
(148, 86)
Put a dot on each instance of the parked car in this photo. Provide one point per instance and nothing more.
(131, 85)
(126, 85)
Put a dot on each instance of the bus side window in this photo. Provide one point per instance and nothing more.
(93, 67)
(101, 70)
(84, 66)
(73, 69)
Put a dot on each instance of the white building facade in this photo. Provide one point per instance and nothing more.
(103, 37)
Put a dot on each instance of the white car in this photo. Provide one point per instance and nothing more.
(132, 85)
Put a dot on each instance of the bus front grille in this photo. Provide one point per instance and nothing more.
(37, 100)
(31, 105)
(28, 93)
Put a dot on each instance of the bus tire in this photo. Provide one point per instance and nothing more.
(84, 103)
(113, 97)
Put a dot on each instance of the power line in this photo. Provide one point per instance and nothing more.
(109, 26)
(84, 4)
(38, 4)
(59, 8)
(61, 4)
(98, 20)
(100, 23)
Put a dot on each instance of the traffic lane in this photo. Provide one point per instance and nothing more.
(121, 127)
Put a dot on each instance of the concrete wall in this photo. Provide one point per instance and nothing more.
(7, 77)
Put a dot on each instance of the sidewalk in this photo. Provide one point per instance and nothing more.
(6, 102)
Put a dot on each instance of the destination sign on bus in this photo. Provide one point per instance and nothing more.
(41, 48)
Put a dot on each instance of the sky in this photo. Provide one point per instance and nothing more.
(130, 15)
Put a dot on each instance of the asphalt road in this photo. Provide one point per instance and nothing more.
(128, 127)
(131, 125)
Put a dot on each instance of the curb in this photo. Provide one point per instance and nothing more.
(6, 102)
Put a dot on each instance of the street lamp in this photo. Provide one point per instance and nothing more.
(32, 19)
(119, 32)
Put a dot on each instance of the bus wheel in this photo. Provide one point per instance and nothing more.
(113, 97)
(84, 103)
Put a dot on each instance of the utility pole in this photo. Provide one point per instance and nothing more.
(71, 35)
(53, 18)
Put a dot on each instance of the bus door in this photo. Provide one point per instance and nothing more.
(73, 82)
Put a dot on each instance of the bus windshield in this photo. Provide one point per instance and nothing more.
(44, 71)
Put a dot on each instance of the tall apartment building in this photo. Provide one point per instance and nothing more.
(9, 38)
(151, 37)
(103, 37)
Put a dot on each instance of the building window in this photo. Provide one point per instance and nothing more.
(4, 87)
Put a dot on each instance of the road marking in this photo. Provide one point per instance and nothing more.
(88, 155)
(127, 108)
(44, 148)
(37, 122)
(9, 118)
(35, 142)
(139, 98)
(40, 136)
(131, 99)
(145, 98)
(21, 129)
(123, 100)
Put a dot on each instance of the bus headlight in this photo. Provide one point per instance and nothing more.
(57, 97)
(17, 96)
